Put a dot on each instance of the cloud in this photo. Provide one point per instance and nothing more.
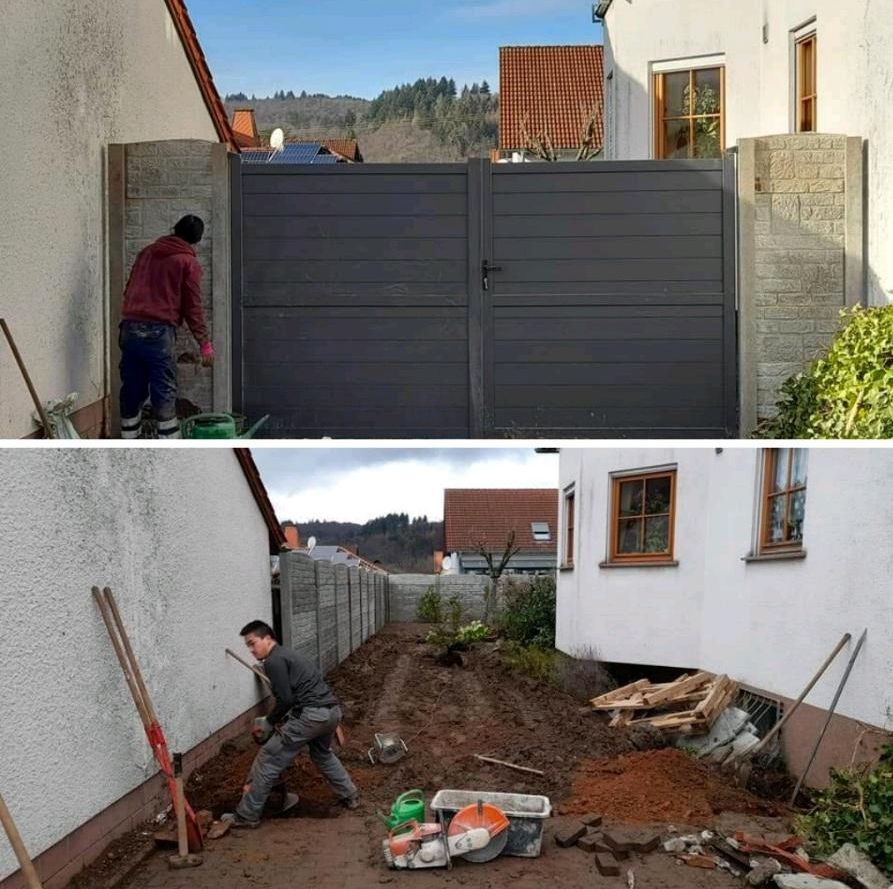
(511, 9)
(355, 485)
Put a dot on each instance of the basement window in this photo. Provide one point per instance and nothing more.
(541, 532)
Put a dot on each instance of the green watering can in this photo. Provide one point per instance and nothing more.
(218, 426)
(409, 806)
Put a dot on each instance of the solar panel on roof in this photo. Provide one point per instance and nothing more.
(297, 153)
(325, 159)
(255, 157)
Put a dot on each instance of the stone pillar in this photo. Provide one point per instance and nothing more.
(800, 257)
(152, 185)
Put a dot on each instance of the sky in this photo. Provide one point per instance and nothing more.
(359, 48)
(358, 484)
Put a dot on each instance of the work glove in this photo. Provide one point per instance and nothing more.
(207, 352)
(261, 730)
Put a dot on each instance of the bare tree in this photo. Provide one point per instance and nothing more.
(541, 144)
(494, 568)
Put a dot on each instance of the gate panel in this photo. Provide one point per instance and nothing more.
(608, 312)
(354, 298)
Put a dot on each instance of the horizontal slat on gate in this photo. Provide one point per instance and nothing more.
(353, 204)
(368, 184)
(315, 396)
(380, 293)
(610, 328)
(656, 350)
(294, 329)
(560, 270)
(607, 225)
(551, 310)
(334, 419)
(649, 421)
(343, 372)
(557, 204)
(350, 226)
(367, 351)
(672, 293)
(630, 373)
(654, 247)
(339, 249)
(597, 182)
(701, 391)
(320, 271)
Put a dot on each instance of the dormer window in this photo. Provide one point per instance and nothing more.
(541, 532)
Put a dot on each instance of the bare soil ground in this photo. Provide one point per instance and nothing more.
(446, 715)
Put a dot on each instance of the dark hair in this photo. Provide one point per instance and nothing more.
(258, 628)
(190, 229)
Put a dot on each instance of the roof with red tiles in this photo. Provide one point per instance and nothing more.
(199, 65)
(244, 128)
(552, 90)
(278, 540)
(349, 149)
(486, 516)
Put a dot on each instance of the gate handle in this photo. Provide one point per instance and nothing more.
(486, 268)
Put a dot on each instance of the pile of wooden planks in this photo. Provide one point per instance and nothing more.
(688, 705)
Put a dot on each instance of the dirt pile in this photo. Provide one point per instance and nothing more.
(658, 786)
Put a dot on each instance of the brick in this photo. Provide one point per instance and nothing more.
(592, 820)
(606, 865)
(825, 185)
(779, 285)
(568, 836)
(592, 843)
(632, 839)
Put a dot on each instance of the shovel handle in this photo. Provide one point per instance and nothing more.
(15, 840)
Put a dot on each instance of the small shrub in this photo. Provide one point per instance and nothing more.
(533, 661)
(529, 617)
(430, 608)
(856, 808)
(849, 392)
(473, 632)
(454, 607)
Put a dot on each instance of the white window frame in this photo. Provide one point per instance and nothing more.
(795, 35)
(669, 66)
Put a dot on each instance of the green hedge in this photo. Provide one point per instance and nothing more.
(849, 392)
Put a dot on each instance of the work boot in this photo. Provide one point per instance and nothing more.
(238, 822)
(350, 802)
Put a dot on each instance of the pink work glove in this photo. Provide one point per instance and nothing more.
(207, 352)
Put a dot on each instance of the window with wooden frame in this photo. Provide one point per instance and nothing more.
(689, 113)
(784, 500)
(569, 509)
(642, 518)
(807, 84)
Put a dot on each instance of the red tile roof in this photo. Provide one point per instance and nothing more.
(474, 516)
(277, 537)
(553, 88)
(244, 128)
(347, 148)
(202, 72)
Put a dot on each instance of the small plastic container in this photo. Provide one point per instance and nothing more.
(526, 813)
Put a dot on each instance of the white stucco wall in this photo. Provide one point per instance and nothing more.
(86, 73)
(178, 537)
(767, 624)
(855, 80)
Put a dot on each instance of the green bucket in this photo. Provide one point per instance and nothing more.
(218, 426)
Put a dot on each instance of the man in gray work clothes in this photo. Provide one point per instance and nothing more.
(305, 714)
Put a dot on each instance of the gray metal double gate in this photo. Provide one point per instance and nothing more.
(479, 300)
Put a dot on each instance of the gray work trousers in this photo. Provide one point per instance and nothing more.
(314, 729)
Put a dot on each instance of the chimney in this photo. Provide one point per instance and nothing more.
(245, 128)
(292, 536)
(438, 561)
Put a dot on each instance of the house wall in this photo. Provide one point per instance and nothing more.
(769, 624)
(87, 74)
(178, 537)
(854, 75)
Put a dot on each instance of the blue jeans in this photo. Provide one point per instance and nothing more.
(148, 370)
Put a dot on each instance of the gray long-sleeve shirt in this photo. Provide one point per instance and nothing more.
(296, 681)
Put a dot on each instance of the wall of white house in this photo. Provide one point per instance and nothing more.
(855, 73)
(767, 624)
(179, 538)
(85, 75)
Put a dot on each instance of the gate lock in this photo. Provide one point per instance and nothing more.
(486, 268)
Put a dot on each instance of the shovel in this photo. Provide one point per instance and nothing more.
(108, 608)
(15, 840)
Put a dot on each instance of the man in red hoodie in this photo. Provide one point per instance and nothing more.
(164, 290)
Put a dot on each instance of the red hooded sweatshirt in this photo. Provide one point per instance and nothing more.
(166, 285)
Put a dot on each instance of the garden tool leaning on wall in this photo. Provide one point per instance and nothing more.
(108, 608)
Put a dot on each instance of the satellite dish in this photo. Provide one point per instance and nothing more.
(311, 543)
(447, 563)
(277, 139)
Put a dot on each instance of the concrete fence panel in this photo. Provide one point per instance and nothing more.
(342, 611)
(356, 631)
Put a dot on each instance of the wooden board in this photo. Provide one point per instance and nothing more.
(681, 686)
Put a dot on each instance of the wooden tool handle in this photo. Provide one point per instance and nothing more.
(256, 670)
(15, 840)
